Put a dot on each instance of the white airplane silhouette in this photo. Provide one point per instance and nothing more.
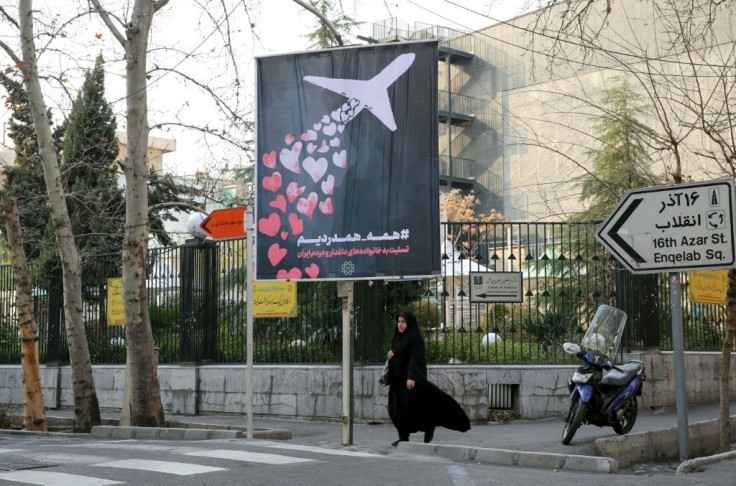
(371, 94)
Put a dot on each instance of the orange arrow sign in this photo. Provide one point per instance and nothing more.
(225, 223)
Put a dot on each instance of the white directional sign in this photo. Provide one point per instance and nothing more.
(673, 228)
(496, 287)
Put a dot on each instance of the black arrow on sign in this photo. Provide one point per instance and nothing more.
(613, 232)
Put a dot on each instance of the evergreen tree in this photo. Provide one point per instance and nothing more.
(323, 37)
(622, 162)
(89, 168)
(24, 180)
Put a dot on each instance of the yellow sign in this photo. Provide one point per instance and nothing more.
(708, 286)
(274, 299)
(115, 314)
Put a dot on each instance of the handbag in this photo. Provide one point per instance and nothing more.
(383, 380)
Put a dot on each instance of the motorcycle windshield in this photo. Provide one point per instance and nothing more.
(604, 332)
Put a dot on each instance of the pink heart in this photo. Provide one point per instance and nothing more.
(269, 159)
(328, 185)
(340, 159)
(326, 206)
(293, 274)
(310, 135)
(270, 226)
(312, 270)
(284, 235)
(276, 254)
(315, 168)
(307, 206)
(273, 182)
(290, 158)
(289, 138)
(297, 225)
(279, 203)
(293, 191)
(323, 148)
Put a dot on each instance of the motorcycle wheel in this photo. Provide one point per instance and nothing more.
(576, 414)
(626, 416)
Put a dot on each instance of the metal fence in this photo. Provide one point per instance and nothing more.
(198, 314)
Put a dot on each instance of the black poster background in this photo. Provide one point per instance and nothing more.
(381, 218)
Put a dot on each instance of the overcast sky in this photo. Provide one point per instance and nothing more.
(279, 27)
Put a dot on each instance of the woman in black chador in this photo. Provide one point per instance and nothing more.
(414, 403)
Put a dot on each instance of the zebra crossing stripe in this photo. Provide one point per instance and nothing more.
(168, 467)
(322, 450)
(245, 456)
(45, 478)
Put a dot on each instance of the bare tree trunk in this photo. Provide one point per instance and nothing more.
(86, 406)
(35, 413)
(146, 408)
(725, 438)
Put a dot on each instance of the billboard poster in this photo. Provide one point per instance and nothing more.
(347, 172)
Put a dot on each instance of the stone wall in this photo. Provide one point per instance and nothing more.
(315, 392)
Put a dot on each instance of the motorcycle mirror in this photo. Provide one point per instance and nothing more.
(571, 348)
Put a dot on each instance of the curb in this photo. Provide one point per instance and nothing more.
(695, 465)
(506, 457)
(118, 432)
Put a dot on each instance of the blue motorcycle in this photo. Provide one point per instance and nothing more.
(602, 393)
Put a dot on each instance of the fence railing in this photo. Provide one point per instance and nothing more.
(196, 295)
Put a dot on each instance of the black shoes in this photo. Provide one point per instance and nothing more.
(428, 436)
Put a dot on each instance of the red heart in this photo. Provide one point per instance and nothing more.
(284, 235)
(326, 206)
(288, 139)
(293, 274)
(312, 270)
(276, 254)
(293, 191)
(269, 159)
(307, 206)
(273, 182)
(270, 226)
(279, 203)
(297, 225)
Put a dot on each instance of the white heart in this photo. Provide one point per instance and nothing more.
(335, 142)
(317, 126)
(329, 130)
(340, 128)
(340, 159)
(311, 147)
(325, 120)
(315, 168)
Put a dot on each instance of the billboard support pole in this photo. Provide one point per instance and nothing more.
(250, 277)
(345, 290)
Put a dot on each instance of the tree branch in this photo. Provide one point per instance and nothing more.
(324, 19)
(107, 19)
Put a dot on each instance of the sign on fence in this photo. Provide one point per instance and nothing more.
(115, 313)
(274, 299)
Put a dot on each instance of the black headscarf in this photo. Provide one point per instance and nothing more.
(409, 360)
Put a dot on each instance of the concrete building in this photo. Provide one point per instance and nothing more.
(517, 103)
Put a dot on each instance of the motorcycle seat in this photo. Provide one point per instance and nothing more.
(621, 378)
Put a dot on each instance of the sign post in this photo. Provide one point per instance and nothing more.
(674, 229)
(248, 229)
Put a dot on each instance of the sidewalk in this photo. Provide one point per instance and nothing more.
(534, 443)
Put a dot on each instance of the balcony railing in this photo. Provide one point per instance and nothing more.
(457, 168)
